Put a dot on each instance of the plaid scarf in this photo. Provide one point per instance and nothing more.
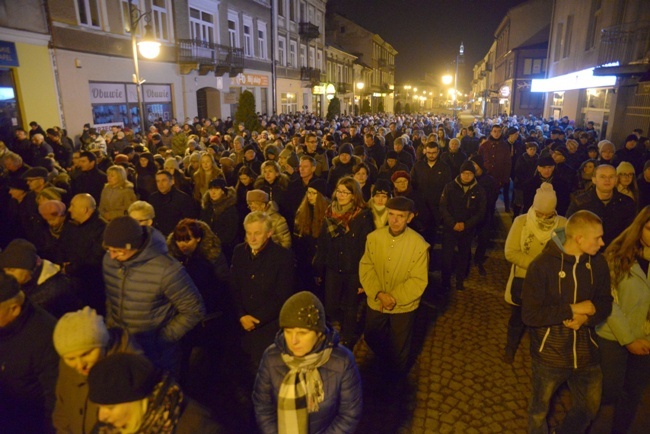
(338, 218)
(163, 410)
(301, 391)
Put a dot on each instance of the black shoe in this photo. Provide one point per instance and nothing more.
(460, 286)
(481, 269)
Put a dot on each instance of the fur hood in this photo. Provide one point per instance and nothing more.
(336, 161)
(282, 182)
(226, 201)
(209, 247)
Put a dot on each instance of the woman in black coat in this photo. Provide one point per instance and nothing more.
(219, 211)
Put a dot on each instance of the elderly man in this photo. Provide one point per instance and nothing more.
(40, 150)
(81, 250)
(394, 273)
(148, 292)
(28, 360)
(262, 279)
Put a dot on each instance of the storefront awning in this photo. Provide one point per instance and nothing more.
(584, 79)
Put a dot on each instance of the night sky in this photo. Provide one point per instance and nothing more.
(427, 33)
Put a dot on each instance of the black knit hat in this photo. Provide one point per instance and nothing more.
(303, 310)
(467, 166)
(346, 149)
(217, 183)
(36, 172)
(319, 185)
(383, 186)
(545, 162)
(17, 184)
(9, 287)
(121, 378)
(478, 160)
(124, 233)
(20, 254)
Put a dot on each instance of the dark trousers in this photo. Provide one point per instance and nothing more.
(505, 189)
(342, 301)
(450, 241)
(625, 377)
(389, 336)
(483, 237)
(516, 330)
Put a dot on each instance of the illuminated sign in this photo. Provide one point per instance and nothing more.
(504, 92)
(249, 80)
(576, 80)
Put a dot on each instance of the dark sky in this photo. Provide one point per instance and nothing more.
(427, 33)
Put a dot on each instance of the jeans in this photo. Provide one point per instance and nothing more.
(585, 385)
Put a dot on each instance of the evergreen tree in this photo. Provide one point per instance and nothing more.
(365, 108)
(380, 106)
(407, 109)
(246, 112)
(334, 108)
(398, 107)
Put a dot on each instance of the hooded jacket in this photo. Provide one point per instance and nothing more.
(151, 295)
(222, 216)
(554, 281)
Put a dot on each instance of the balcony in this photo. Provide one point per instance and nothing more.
(311, 75)
(308, 31)
(625, 43)
(209, 57)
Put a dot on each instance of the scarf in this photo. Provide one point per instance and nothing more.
(163, 410)
(536, 228)
(379, 215)
(301, 391)
(338, 218)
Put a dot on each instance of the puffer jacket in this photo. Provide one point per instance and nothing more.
(554, 281)
(222, 216)
(281, 234)
(340, 411)
(151, 295)
(457, 205)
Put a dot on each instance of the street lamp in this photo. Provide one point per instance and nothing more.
(459, 58)
(149, 49)
(360, 85)
(446, 79)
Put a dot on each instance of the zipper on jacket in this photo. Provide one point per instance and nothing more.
(575, 300)
(548, 332)
(123, 272)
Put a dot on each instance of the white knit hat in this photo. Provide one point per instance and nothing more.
(80, 330)
(545, 199)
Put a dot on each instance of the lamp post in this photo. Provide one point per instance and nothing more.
(459, 58)
(360, 85)
(149, 49)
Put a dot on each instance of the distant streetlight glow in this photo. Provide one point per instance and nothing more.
(447, 79)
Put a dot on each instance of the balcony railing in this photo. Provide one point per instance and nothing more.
(312, 75)
(208, 56)
(309, 31)
(625, 43)
(343, 87)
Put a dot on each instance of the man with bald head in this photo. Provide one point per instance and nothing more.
(82, 250)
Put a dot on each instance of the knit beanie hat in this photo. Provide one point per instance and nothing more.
(217, 183)
(545, 198)
(19, 253)
(383, 186)
(121, 378)
(319, 185)
(400, 174)
(80, 330)
(124, 233)
(257, 196)
(303, 310)
(468, 166)
(346, 149)
(9, 287)
(545, 162)
(625, 167)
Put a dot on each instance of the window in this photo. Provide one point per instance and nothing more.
(319, 60)
(567, 36)
(88, 13)
(160, 19)
(126, 17)
(534, 66)
(339, 74)
(594, 24)
(293, 54)
(281, 8)
(201, 25)
(292, 10)
(531, 100)
(288, 102)
(312, 57)
(282, 50)
(248, 36)
(303, 55)
(233, 29)
(261, 40)
(558, 42)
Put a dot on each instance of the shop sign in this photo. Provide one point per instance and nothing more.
(318, 90)
(8, 54)
(107, 93)
(156, 93)
(249, 80)
(504, 91)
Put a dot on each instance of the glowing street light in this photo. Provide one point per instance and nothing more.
(447, 79)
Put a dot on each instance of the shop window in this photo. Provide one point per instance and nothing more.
(88, 13)
(288, 103)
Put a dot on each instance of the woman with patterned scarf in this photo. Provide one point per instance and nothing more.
(527, 237)
(307, 383)
(341, 244)
(136, 398)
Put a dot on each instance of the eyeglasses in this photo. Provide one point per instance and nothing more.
(626, 175)
(116, 252)
(401, 181)
(343, 193)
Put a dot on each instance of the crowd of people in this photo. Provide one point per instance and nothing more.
(128, 256)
